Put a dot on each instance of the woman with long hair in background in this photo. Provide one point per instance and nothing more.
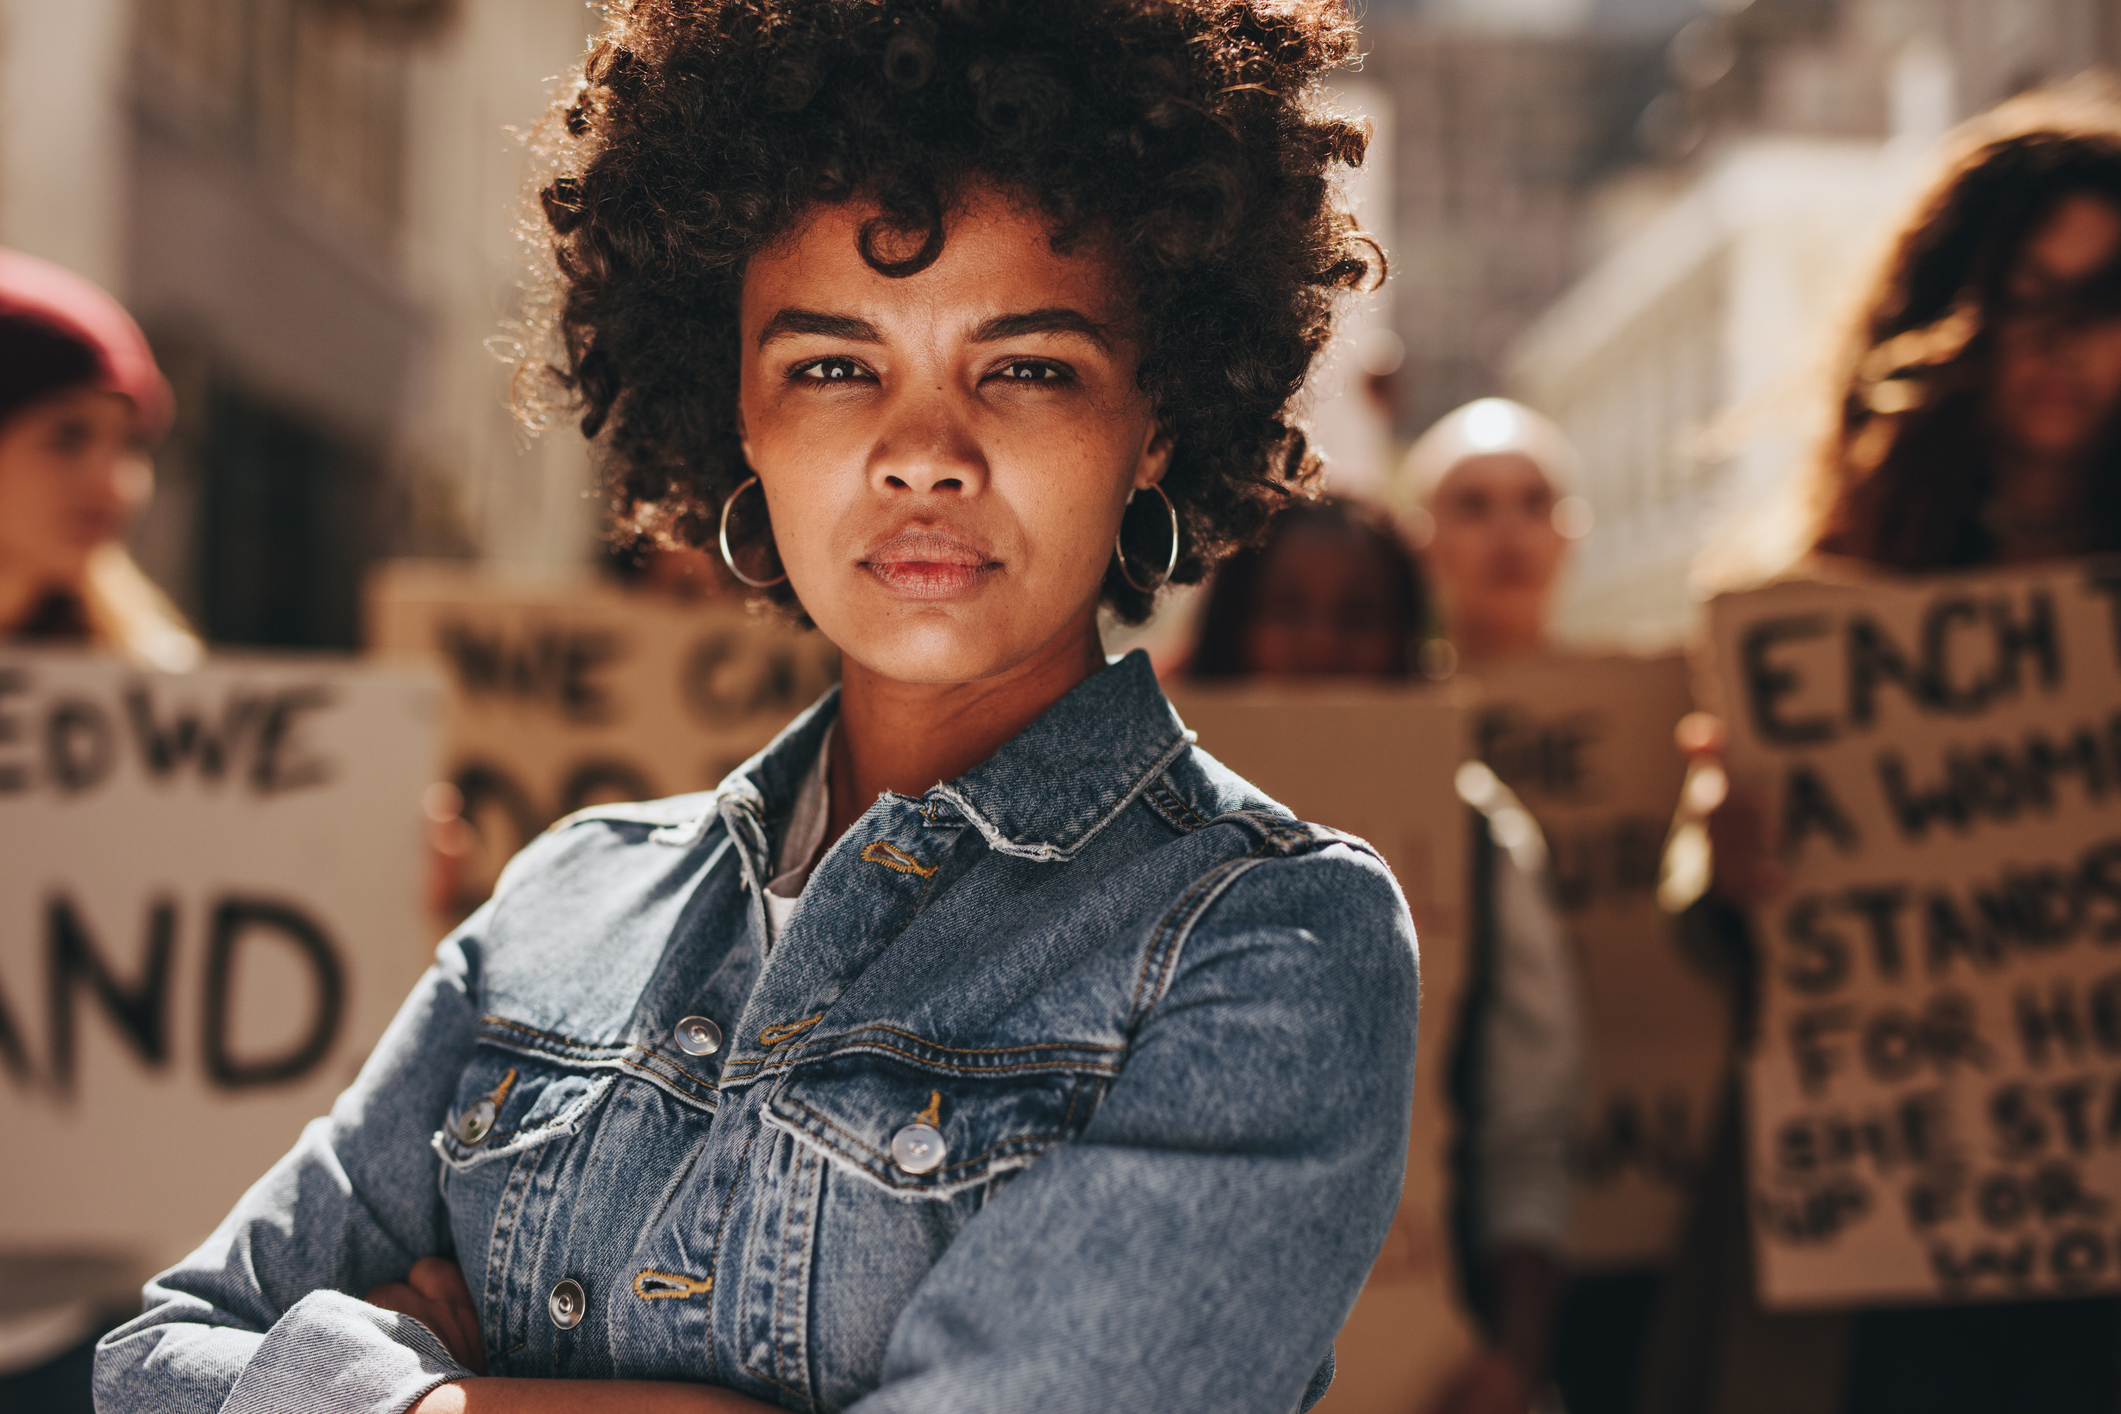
(1977, 422)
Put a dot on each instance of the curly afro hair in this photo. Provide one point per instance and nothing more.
(1186, 136)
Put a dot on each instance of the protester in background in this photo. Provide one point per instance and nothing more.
(1494, 521)
(1334, 593)
(1490, 481)
(81, 401)
(1977, 422)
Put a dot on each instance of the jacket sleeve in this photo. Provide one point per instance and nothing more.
(266, 1314)
(1203, 1239)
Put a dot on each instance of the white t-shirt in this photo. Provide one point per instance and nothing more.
(803, 843)
(1532, 1048)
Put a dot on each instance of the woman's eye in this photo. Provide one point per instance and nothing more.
(1031, 370)
(830, 370)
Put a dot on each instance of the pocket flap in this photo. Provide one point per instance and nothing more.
(852, 1107)
(506, 1103)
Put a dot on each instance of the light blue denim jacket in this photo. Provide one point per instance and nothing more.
(1163, 1033)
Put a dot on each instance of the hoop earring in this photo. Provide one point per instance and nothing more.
(1170, 561)
(730, 559)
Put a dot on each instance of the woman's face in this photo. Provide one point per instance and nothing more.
(1324, 604)
(946, 456)
(71, 475)
(2057, 382)
(1496, 551)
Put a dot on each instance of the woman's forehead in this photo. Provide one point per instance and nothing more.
(997, 259)
(2080, 237)
(81, 402)
(1494, 471)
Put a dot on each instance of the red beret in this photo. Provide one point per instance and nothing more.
(38, 293)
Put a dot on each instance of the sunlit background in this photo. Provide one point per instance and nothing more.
(1637, 215)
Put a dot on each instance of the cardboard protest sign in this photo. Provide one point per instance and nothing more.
(209, 909)
(1586, 743)
(1380, 764)
(1935, 1097)
(571, 693)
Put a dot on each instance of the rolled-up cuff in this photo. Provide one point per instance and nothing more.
(333, 1354)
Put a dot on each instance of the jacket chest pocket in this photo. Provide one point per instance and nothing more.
(507, 1103)
(505, 1154)
(877, 1165)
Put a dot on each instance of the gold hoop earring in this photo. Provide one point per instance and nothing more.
(730, 559)
(1170, 561)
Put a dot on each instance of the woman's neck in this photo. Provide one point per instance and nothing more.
(1478, 641)
(906, 737)
(2040, 508)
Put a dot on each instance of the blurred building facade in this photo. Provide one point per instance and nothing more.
(1506, 116)
(1688, 362)
(307, 205)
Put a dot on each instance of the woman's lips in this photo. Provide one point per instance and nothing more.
(923, 562)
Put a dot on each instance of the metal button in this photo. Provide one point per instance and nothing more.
(918, 1148)
(697, 1036)
(477, 1122)
(567, 1304)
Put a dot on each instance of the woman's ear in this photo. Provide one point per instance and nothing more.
(1155, 458)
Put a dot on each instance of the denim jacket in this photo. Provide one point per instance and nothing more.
(1080, 1082)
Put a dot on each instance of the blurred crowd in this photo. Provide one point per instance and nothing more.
(1972, 418)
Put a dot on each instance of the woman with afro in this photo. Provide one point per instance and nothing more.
(981, 1044)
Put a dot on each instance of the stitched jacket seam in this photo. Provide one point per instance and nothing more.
(1019, 1068)
(969, 1050)
(1163, 930)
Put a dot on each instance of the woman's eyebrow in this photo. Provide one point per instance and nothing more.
(792, 322)
(1040, 321)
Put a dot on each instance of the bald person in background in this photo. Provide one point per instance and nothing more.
(1493, 546)
(1494, 519)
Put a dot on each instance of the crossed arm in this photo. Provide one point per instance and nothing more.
(434, 1294)
(1092, 1271)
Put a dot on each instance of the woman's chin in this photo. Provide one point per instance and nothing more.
(931, 649)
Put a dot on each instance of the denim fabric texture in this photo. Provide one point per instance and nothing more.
(1164, 1031)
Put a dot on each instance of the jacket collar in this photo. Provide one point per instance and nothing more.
(1062, 779)
(1043, 795)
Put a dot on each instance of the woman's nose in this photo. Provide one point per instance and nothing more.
(112, 483)
(927, 445)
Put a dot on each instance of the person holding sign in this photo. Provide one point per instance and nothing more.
(1977, 424)
(1495, 515)
(1494, 525)
(1335, 593)
(981, 1043)
(81, 401)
